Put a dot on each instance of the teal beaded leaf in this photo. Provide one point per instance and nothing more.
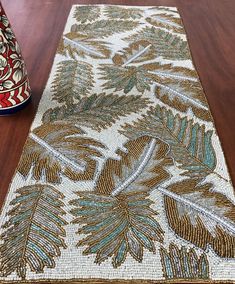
(34, 232)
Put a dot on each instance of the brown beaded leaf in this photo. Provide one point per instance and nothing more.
(56, 149)
(169, 21)
(203, 217)
(75, 45)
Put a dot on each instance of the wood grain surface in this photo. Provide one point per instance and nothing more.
(38, 25)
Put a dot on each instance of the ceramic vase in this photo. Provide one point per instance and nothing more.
(14, 84)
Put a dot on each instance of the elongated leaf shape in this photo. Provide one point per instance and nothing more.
(179, 88)
(190, 145)
(79, 81)
(98, 111)
(183, 95)
(34, 232)
(123, 13)
(117, 216)
(59, 149)
(103, 28)
(203, 217)
(167, 21)
(74, 45)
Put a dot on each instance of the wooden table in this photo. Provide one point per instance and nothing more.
(38, 25)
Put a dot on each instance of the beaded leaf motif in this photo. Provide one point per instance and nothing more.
(117, 216)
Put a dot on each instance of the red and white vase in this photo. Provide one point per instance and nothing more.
(14, 84)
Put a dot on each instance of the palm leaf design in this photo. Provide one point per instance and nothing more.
(74, 45)
(183, 264)
(34, 232)
(118, 228)
(123, 13)
(201, 216)
(87, 13)
(190, 145)
(165, 44)
(73, 79)
(59, 149)
(103, 28)
(167, 21)
(97, 111)
(117, 216)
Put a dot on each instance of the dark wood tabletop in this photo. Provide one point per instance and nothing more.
(38, 25)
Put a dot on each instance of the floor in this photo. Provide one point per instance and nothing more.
(39, 24)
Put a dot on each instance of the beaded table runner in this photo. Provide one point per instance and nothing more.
(122, 176)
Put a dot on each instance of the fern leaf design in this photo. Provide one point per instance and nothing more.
(59, 149)
(190, 145)
(97, 111)
(201, 216)
(167, 21)
(165, 44)
(103, 28)
(34, 233)
(87, 13)
(123, 13)
(117, 216)
(183, 264)
(79, 81)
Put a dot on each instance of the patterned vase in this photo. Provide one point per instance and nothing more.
(14, 85)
